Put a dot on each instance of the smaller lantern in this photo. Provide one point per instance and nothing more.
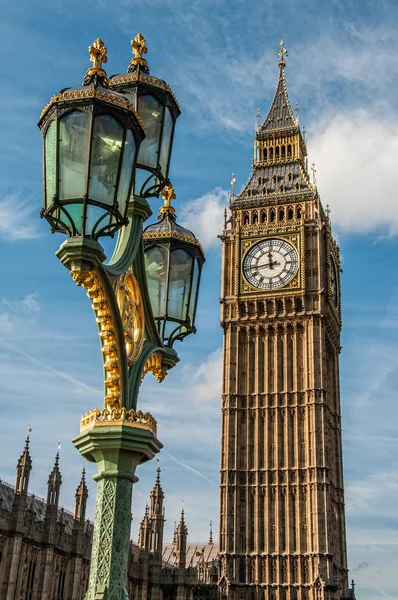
(173, 262)
(91, 139)
(159, 110)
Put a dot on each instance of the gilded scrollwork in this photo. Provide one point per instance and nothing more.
(130, 304)
(91, 282)
(154, 364)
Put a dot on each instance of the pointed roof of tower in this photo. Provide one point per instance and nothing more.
(82, 489)
(280, 114)
(157, 488)
(55, 477)
(182, 528)
(211, 533)
(25, 460)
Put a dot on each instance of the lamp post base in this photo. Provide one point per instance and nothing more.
(117, 444)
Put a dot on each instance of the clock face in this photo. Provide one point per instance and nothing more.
(334, 291)
(271, 264)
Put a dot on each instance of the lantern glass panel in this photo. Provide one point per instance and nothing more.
(151, 113)
(51, 162)
(74, 131)
(166, 141)
(156, 264)
(172, 327)
(93, 214)
(126, 172)
(194, 292)
(179, 284)
(105, 155)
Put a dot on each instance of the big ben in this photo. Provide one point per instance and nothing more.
(282, 523)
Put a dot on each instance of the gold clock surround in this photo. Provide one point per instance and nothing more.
(297, 283)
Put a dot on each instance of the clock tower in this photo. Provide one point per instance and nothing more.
(282, 525)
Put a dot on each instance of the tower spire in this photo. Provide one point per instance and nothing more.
(81, 496)
(182, 534)
(211, 533)
(280, 115)
(54, 482)
(156, 516)
(24, 467)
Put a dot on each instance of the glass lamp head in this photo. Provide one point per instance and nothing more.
(91, 138)
(159, 110)
(173, 261)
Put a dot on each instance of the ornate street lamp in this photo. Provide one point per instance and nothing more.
(173, 261)
(92, 138)
(159, 110)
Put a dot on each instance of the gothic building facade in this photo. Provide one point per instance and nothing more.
(282, 524)
(45, 550)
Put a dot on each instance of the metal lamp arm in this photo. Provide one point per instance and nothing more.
(129, 238)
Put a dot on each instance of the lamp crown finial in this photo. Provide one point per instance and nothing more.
(139, 48)
(168, 194)
(98, 57)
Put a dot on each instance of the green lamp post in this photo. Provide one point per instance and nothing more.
(107, 149)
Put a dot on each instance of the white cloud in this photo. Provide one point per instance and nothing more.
(18, 219)
(29, 304)
(17, 312)
(207, 379)
(205, 216)
(373, 496)
(6, 324)
(355, 157)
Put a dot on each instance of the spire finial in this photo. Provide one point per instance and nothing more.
(158, 471)
(232, 182)
(175, 533)
(258, 118)
(138, 45)
(327, 211)
(304, 131)
(27, 440)
(211, 533)
(182, 512)
(282, 52)
(296, 112)
(168, 194)
(97, 56)
(313, 169)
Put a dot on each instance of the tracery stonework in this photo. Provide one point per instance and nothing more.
(281, 493)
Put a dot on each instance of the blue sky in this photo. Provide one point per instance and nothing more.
(219, 58)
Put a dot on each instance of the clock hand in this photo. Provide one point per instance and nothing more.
(270, 264)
